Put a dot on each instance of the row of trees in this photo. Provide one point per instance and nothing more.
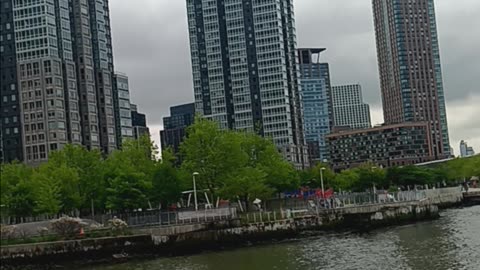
(75, 179)
(230, 165)
(368, 175)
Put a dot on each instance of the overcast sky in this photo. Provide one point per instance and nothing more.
(150, 40)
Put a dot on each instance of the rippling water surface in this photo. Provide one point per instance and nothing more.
(451, 242)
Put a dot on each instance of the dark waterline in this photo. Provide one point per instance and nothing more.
(451, 242)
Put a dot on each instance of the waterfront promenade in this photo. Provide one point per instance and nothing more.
(472, 196)
(199, 230)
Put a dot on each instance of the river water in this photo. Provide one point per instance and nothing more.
(451, 242)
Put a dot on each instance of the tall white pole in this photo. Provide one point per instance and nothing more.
(321, 182)
(195, 191)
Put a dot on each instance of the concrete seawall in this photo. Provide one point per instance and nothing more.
(445, 197)
(197, 237)
(191, 238)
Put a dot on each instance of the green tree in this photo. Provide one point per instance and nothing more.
(128, 175)
(166, 183)
(263, 155)
(247, 184)
(463, 168)
(370, 175)
(211, 152)
(312, 176)
(69, 182)
(48, 197)
(17, 190)
(410, 175)
(89, 165)
(475, 165)
(347, 179)
(127, 191)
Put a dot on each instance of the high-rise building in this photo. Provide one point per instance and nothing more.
(409, 65)
(386, 146)
(123, 115)
(175, 125)
(46, 78)
(349, 110)
(245, 70)
(139, 123)
(103, 69)
(316, 101)
(465, 150)
(10, 124)
(59, 71)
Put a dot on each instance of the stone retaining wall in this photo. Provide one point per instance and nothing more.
(194, 238)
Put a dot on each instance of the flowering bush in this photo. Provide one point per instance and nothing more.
(67, 226)
(117, 225)
(42, 231)
(7, 232)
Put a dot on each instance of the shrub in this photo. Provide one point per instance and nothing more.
(117, 225)
(7, 232)
(67, 226)
(42, 231)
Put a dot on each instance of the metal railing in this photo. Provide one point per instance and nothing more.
(161, 218)
(144, 218)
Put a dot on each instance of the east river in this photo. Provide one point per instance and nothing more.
(451, 242)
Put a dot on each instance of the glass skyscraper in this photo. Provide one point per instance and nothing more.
(11, 143)
(409, 65)
(175, 126)
(245, 69)
(316, 102)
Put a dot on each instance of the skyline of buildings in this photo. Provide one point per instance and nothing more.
(248, 74)
(465, 150)
(58, 85)
(245, 71)
(349, 110)
(409, 66)
(139, 123)
(175, 125)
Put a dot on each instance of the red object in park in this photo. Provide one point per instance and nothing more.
(327, 194)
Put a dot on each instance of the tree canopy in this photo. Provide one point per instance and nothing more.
(234, 165)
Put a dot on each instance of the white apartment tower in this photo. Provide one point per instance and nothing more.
(349, 110)
(245, 69)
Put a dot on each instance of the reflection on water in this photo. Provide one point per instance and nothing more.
(452, 242)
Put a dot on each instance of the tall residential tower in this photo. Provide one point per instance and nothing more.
(409, 65)
(57, 77)
(10, 125)
(349, 110)
(245, 69)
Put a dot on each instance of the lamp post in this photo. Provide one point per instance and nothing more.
(195, 190)
(321, 181)
(374, 188)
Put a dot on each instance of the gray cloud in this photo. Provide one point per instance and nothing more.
(151, 46)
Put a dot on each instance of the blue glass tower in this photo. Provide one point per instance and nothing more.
(316, 102)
